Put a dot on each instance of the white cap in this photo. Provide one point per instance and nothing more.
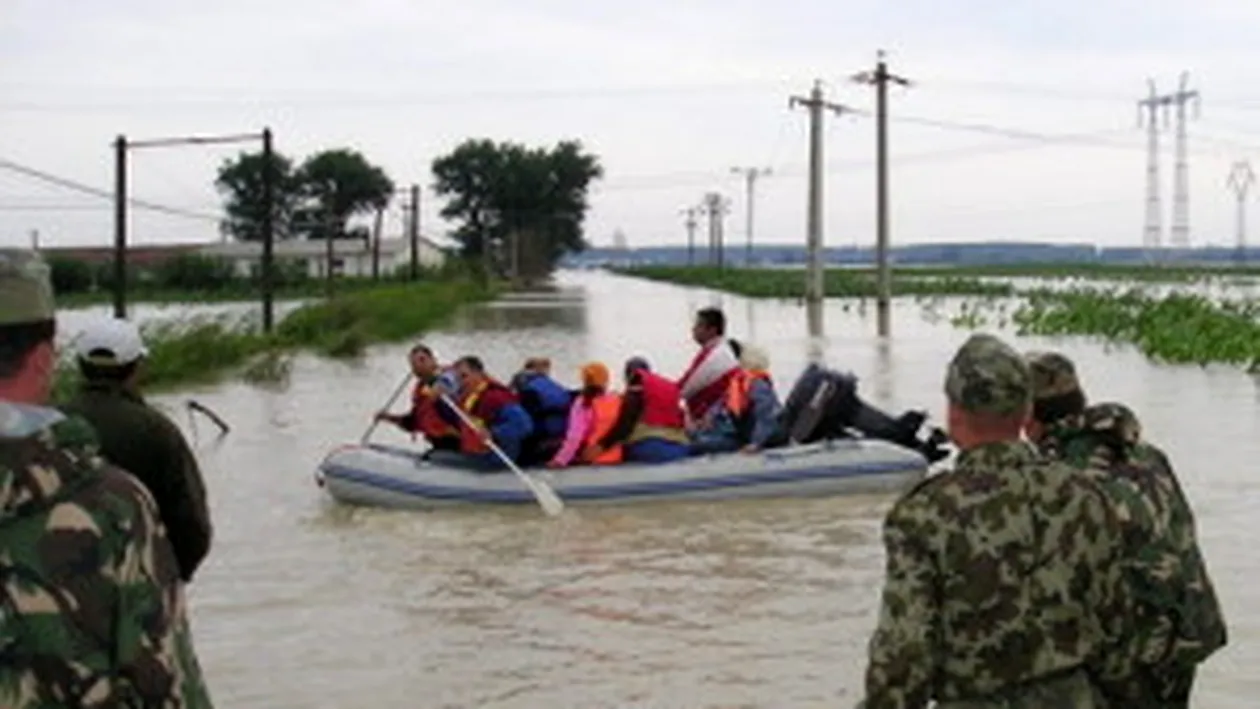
(110, 342)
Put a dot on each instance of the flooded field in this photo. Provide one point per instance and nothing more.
(303, 603)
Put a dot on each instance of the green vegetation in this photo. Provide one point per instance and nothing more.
(838, 283)
(1091, 271)
(1179, 327)
(314, 200)
(204, 349)
(529, 203)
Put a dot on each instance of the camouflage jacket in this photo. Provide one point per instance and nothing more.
(91, 607)
(1003, 588)
(1182, 619)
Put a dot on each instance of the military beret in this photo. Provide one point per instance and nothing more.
(1053, 375)
(25, 288)
(987, 376)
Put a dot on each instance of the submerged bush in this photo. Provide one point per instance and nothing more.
(837, 283)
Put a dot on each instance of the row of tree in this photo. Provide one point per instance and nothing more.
(516, 209)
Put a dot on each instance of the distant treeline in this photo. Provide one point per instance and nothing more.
(184, 272)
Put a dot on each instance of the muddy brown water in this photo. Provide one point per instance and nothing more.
(305, 603)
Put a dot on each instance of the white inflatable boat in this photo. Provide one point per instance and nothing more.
(388, 476)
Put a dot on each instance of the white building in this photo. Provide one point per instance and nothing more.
(351, 257)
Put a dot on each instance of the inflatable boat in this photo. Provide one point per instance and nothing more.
(387, 476)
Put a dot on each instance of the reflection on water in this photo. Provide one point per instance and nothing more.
(304, 603)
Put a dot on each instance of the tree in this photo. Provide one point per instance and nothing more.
(241, 182)
(528, 203)
(337, 185)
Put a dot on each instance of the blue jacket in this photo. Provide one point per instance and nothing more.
(510, 428)
(546, 402)
(724, 431)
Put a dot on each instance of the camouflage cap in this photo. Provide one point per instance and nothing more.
(1053, 375)
(987, 376)
(26, 294)
(1112, 417)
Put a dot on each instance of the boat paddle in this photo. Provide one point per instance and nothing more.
(401, 385)
(546, 497)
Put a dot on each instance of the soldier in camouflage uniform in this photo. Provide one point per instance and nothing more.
(1182, 623)
(91, 606)
(1003, 586)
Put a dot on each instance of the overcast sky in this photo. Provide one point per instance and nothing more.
(670, 96)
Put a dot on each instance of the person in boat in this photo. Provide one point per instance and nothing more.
(497, 416)
(704, 383)
(592, 415)
(429, 415)
(650, 425)
(747, 417)
(547, 402)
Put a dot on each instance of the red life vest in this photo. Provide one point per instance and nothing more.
(428, 420)
(605, 409)
(661, 402)
(471, 440)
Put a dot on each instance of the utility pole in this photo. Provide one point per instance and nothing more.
(1181, 178)
(122, 145)
(750, 178)
(690, 213)
(880, 79)
(120, 227)
(715, 206)
(377, 225)
(1152, 230)
(1241, 178)
(816, 105)
(330, 231)
(268, 233)
(414, 225)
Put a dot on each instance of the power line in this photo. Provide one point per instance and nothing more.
(69, 184)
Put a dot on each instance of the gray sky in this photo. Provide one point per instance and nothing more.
(669, 95)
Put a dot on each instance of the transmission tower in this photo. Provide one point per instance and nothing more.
(1241, 178)
(690, 213)
(1181, 178)
(750, 177)
(1152, 231)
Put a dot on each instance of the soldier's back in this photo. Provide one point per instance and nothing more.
(1028, 587)
(91, 607)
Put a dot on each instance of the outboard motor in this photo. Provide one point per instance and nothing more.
(824, 404)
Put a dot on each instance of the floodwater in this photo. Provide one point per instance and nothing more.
(305, 603)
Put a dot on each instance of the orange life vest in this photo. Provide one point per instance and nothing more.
(737, 400)
(604, 411)
(661, 402)
(470, 439)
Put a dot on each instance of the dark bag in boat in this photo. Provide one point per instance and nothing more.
(824, 404)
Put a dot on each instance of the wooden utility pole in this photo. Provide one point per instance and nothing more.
(880, 79)
(414, 225)
(750, 179)
(330, 230)
(268, 233)
(120, 227)
(816, 105)
(376, 242)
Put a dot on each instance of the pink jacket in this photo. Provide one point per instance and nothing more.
(581, 417)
